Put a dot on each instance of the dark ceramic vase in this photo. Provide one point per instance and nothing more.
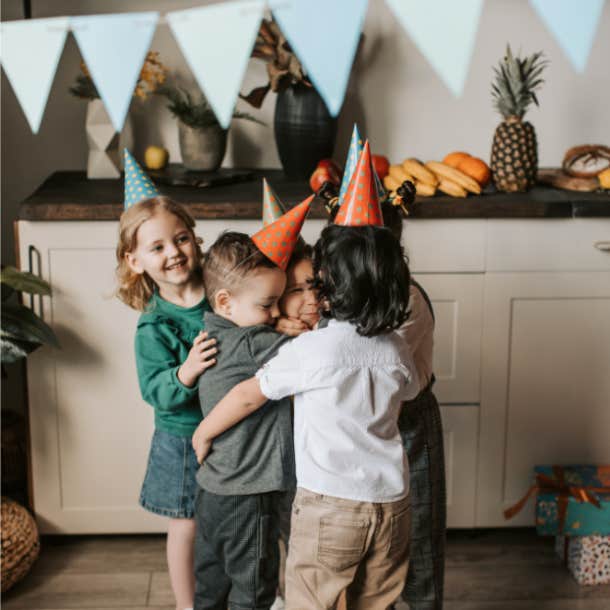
(304, 130)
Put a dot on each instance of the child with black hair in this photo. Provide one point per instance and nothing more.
(351, 515)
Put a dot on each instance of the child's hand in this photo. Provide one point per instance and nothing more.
(201, 444)
(200, 358)
(292, 327)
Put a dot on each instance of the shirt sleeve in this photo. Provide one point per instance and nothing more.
(158, 366)
(282, 376)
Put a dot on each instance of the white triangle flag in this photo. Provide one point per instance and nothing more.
(30, 53)
(324, 34)
(572, 24)
(216, 42)
(444, 31)
(114, 48)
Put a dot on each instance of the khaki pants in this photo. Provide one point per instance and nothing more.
(338, 544)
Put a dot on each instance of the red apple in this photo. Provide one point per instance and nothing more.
(381, 165)
(318, 178)
(333, 169)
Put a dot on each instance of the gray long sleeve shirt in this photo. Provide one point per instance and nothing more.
(257, 454)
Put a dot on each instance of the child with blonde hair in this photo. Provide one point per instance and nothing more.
(159, 274)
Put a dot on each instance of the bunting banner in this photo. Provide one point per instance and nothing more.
(216, 42)
(114, 48)
(324, 34)
(30, 54)
(572, 24)
(447, 42)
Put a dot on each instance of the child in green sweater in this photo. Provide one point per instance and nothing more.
(159, 274)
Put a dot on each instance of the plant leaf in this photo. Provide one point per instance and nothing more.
(21, 322)
(25, 281)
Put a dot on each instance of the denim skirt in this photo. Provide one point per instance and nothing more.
(169, 486)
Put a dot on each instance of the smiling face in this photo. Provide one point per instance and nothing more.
(300, 300)
(166, 251)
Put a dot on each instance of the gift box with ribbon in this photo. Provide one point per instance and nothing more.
(570, 500)
(587, 558)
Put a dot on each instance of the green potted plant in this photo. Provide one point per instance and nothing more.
(22, 330)
(203, 141)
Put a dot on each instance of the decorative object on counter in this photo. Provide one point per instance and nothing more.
(570, 500)
(604, 179)
(156, 157)
(557, 178)
(20, 543)
(203, 142)
(587, 558)
(304, 129)
(471, 166)
(586, 161)
(326, 171)
(22, 330)
(102, 137)
(138, 186)
(514, 153)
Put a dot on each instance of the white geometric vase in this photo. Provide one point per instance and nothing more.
(103, 141)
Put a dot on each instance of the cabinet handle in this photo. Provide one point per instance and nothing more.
(31, 252)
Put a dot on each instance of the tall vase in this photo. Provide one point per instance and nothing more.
(103, 142)
(202, 149)
(304, 130)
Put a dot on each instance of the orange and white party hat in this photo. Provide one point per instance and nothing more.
(360, 206)
(277, 240)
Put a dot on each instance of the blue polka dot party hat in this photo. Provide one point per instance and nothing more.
(138, 186)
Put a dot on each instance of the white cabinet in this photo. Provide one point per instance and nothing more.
(545, 395)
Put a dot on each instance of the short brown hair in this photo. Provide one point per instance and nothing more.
(229, 260)
(135, 289)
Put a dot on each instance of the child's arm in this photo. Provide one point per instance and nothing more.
(245, 398)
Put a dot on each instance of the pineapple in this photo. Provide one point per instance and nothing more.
(514, 153)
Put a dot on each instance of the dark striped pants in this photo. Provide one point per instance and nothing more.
(422, 435)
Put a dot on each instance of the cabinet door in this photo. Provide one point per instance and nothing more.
(460, 431)
(545, 395)
(457, 300)
(90, 430)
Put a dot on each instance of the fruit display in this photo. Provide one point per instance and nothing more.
(604, 178)
(381, 165)
(514, 153)
(155, 157)
(471, 166)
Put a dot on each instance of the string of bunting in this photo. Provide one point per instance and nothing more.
(217, 40)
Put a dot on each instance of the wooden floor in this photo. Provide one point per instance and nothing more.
(486, 570)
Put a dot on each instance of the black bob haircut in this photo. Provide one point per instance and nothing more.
(363, 275)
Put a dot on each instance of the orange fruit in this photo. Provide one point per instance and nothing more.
(455, 158)
(475, 168)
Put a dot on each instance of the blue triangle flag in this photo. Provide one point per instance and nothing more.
(114, 48)
(30, 53)
(572, 24)
(447, 42)
(138, 186)
(216, 42)
(324, 34)
(353, 154)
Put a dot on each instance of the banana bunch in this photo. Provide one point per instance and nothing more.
(429, 177)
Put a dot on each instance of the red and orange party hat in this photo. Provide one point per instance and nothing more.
(277, 240)
(361, 203)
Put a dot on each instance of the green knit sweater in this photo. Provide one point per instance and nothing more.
(164, 337)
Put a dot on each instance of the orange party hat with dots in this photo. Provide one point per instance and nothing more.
(277, 240)
(360, 206)
(273, 208)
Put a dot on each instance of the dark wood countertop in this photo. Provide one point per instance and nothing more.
(70, 196)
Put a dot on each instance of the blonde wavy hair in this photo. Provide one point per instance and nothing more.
(136, 289)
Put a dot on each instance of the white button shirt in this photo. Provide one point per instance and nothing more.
(348, 392)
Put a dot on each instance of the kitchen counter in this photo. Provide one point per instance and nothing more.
(69, 195)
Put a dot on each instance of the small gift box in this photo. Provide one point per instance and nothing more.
(570, 500)
(587, 558)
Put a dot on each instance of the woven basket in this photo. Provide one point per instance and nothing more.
(20, 543)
